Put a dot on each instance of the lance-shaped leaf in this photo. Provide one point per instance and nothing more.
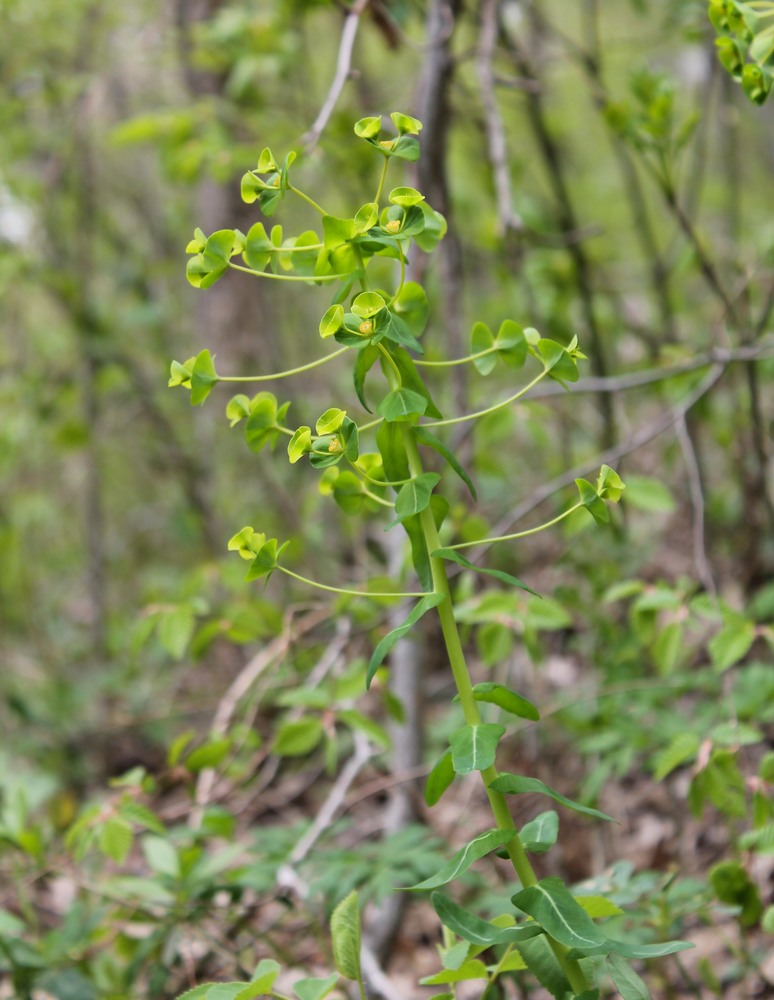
(345, 936)
(509, 701)
(385, 645)
(414, 497)
(543, 965)
(474, 850)
(203, 377)
(424, 436)
(627, 949)
(626, 980)
(452, 555)
(518, 784)
(473, 928)
(474, 747)
(439, 779)
(363, 364)
(550, 903)
(473, 968)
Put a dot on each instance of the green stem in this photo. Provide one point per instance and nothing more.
(370, 424)
(382, 179)
(289, 277)
(391, 362)
(346, 590)
(518, 534)
(456, 361)
(286, 374)
(377, 482)
(459, 667)
(373, 496)
(307, 199)
(489, 409)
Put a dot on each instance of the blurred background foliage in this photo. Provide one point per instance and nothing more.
(603, 177)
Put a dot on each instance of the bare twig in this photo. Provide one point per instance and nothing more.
(606, 457)
(343, 68)
(238, 688)
(508, 217)
(703, 569)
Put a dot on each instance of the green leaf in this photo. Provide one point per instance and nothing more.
(474, 968)
(454, 556)
(474, 850)
(203, 377)
(405, 196)
(366, 218)
(509, 701)
(315, 989)
(634, 951)
(367, 304)
(511, 344)
(426, 437)
(356, 720)
(260, 428)
(197, 993)
(330, 421)
(209, 754)
(542, 963)
(337, 232)
(115, 839)
(732, 884)
(389, 440)
(345, 936)
(414, 497)
(482, 339)
(368, 128)
(649, 493)
(439, 779)
(161, 856)
(237, 408)
(516, 784)
(540, 834)
(401, 405)
(592, 501)
(599, 906)
(683, 748)
(300, 444)
(298, 737)
(626, 980)
(550, 904)
(474, 929)
(332, 321)
(364, 362)
(731, 643)
(412, 307)
(385, 645)
(137, 813)
(474, 747)
(559, 363)
(406, 124)
(411, 379)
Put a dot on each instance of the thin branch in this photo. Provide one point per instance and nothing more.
(608, 456)
(498, 156)
(343, 68)
(703, 569)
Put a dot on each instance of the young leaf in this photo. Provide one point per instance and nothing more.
(542, 963)
(332, 321)
(553, 907)
(516, 784)
(509, 701)
(474, 747)
(203, 377)
(452, 555)
(115, 839)
(482, 339)
(385, 645)
(345, 936)
(424, 436)
(474, 850)
(439, 778)
(474, 968)
(539, 835)
(368, 304)
(330, 421)
(414, 496)
(731, 643)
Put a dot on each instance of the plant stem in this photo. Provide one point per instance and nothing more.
(518, 534)
(382, 179)
(286, 374)
(307, 199)
(289, 277)
(346, 590)
(456, 361)
(521, 864)
(489, 409)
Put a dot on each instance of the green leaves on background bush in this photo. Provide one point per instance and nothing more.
(745, 47)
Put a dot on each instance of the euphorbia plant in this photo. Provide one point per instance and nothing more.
(549, 932)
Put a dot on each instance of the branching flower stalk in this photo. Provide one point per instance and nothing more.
(549, 932)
